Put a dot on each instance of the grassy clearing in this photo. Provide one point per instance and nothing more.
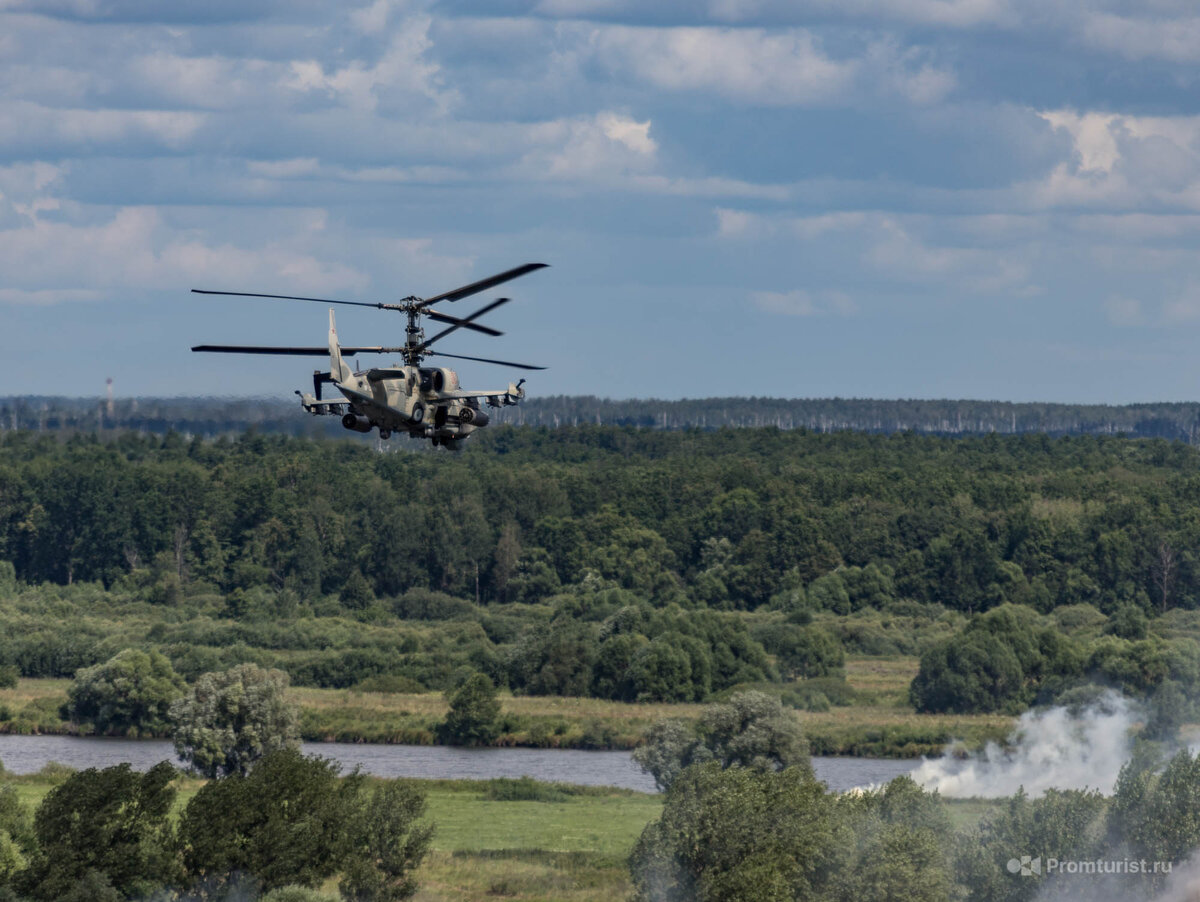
(572, 849)
(526, 875)
(878, 723)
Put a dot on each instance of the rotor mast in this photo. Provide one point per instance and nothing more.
(414, 335)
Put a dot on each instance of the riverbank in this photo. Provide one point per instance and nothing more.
(874, 719)
(518, 840)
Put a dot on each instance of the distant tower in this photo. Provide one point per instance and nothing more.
(109, 406)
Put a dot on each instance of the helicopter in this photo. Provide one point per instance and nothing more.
(424, 402)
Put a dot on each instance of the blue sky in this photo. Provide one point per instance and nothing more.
(871, 198)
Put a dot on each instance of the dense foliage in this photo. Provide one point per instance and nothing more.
(104, 835)
(609, 562)
(228, 720)
(723, 519)
(131, 693)
(754, 833)
(752, 730)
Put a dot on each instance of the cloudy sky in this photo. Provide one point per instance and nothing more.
(872, 198)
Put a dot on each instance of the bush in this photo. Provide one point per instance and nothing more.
(130, 693)
(474, 714)
(522, 789)
(425, 604)
(231, 719)
(739, 833)
(112, 823)
(286, 822)
(752, 729)
(389, 682)
(808, 651)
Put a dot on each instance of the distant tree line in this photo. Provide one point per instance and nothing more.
(225, 416)
(730, 519)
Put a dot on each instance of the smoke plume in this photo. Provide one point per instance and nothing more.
(1053, 748)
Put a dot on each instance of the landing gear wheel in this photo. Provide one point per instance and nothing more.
(385, 434)
(418, 414)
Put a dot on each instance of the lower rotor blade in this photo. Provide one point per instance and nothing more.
(520, 366)
(466, 321)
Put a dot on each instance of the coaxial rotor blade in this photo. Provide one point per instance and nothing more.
(466, 321)
(520, 366)
(466, 324)
(312, 352)
(483, 284)
(289, 297)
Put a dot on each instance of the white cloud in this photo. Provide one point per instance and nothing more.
(606, 144)
(48, 261)
(773, 68)
(23, 123)
(946, 13)
(1136, 38)
(1124, 162)
(401, 74)
(767, 67)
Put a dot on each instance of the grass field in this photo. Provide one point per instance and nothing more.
(573, 849)
(880, 722)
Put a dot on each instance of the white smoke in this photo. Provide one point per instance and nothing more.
(1053, 748)
(1183, 884)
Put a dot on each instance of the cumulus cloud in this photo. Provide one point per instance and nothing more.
(776, 67)
(606, 144)
(49, 261)
(1137, 38)
(1124, 162)
(947, 13)
(401, 74)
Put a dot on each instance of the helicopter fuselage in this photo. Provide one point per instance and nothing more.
(424, 402)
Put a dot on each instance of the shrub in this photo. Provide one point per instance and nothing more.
(231, 719)
(752, 729)
(522, 789)
(473, 716)
(130, 693)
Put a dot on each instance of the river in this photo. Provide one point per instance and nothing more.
(28, 754)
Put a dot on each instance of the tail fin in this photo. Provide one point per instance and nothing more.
(338, 370)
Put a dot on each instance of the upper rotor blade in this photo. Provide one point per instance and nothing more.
(288, 297)
(483, 284)
(313, 352)
(520, 366)
(466, 321)
(466, 324)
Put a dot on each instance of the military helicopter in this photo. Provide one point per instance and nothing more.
(425, 402)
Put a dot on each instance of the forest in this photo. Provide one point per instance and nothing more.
(225, 416)
(614, 562)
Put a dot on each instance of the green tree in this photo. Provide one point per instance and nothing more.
(1062, 824)
(131, 693)
(737, 834)
(474, 713)
(898, 846)
(111, 823)
(286, 822)
(356, 592)
(751, 730)
(807, 651)
(1157, 815)
(231, 719)
(388, 841)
